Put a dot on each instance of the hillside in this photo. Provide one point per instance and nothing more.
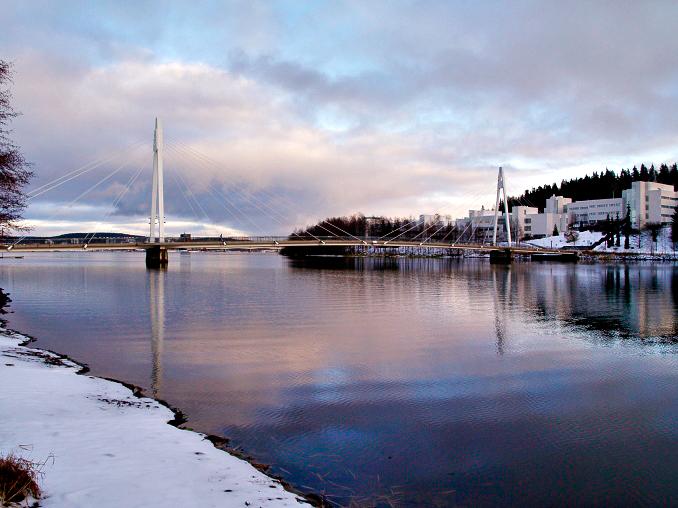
(607, 184)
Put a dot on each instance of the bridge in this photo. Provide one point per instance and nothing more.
(157, 245)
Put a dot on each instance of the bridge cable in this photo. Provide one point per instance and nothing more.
(74, 201)
(252, 200)
(57, 182)
(117, 200)
(215, 163)
(222, 200)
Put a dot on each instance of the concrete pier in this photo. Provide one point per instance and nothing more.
(504, 256)
(156, 257)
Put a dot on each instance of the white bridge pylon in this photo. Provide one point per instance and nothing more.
(157, 196)
(507, 222)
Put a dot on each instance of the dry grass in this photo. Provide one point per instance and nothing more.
(18, 479)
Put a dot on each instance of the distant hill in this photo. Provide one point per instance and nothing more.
(602, 185)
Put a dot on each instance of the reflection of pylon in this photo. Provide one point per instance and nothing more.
(507, 222)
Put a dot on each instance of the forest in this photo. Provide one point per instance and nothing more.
(606, 184)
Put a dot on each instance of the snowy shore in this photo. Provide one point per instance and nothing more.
(106, 447)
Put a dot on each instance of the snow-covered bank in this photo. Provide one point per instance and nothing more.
(108, 448)
(639, 244)
(584, 239)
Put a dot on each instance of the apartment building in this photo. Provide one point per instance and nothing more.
(650, 202)
(584, 213)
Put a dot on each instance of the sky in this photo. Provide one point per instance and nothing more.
(279, 113)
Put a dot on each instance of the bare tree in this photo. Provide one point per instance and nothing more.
(14, 170)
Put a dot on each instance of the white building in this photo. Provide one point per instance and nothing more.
(539, 225)
(519, 214)
(479, 224)
(442, 220)
(527, 221)
(557, 204)
(582, 213)
(650, 202)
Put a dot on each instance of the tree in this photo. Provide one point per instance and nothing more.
(555, 230)
(627, 228)
(654, 228)
(14, 170)
(571, 236)
(674, 226)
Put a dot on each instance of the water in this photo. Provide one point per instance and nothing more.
(410, 382)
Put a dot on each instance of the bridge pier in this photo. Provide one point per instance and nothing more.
(156, 257)
(503, 256)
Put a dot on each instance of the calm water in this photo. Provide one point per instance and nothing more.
(410, 382)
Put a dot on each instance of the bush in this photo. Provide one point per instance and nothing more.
(18, 479)
(571, 236)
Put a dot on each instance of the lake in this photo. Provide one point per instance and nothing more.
(383, 381)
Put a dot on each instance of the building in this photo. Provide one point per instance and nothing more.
(557, 204)
(442, 220)
(479, 225)
(527, 221)
(650, 202)
(539, 225)
(584, 213)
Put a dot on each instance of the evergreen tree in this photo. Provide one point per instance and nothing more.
(674, 226)
(555, 230)
(606, 184)
(654, 228)
(627, 228)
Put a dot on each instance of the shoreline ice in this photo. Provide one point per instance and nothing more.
(107, 447)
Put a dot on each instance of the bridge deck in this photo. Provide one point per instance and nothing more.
(264, 244)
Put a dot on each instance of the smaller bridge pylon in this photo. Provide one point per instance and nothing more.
(501, 188)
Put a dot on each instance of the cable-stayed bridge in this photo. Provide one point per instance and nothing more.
(157, 244)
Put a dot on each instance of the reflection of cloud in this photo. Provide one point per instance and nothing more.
(387, 109)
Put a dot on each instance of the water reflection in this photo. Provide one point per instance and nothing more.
(410, 381)
(500, 293)
(156, 292)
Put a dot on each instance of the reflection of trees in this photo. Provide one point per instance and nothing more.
(615, 301)
(156, 281)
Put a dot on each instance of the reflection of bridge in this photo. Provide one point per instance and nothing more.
(157, 246)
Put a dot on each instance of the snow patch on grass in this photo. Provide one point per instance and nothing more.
(585, 239)
(109, 448)
(664, 245)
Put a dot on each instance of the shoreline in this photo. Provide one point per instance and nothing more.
(250, 479)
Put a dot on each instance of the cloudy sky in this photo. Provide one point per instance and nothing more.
(278, 113)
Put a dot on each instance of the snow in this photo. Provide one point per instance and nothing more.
(105, 447)
(664, 245)
(585, 239)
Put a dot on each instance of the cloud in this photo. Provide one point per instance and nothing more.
(299, 112)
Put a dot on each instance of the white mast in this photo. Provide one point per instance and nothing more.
(507, 221)
(157, 197)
